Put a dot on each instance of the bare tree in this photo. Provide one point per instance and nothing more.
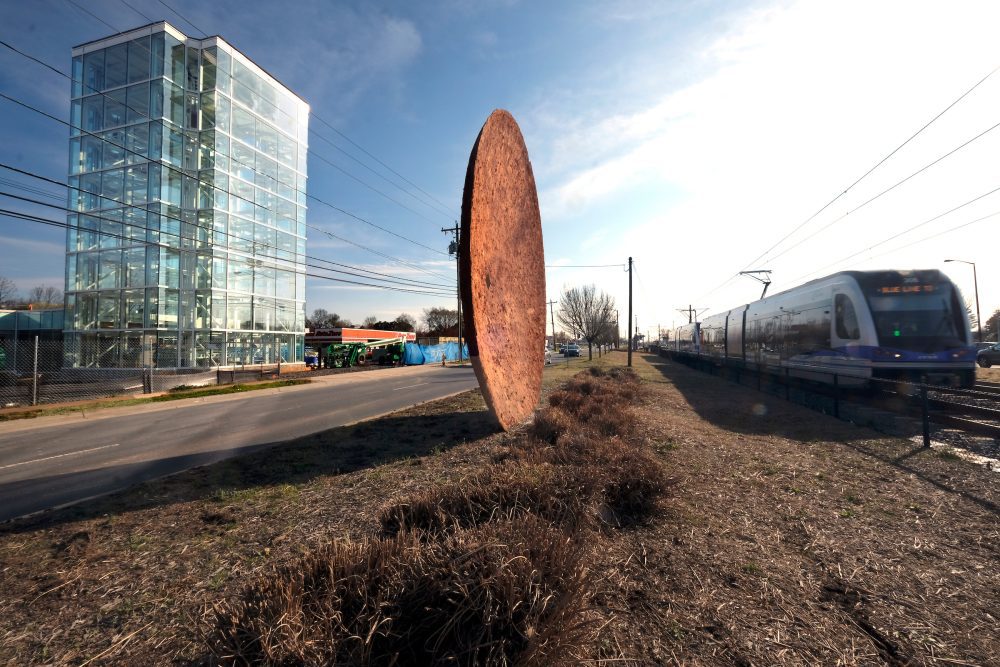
(588, 313)
(8, 291)
(407, 322)
(321, 319)
(440, 321)
(992, 326)
(369, 322)
(45, 295)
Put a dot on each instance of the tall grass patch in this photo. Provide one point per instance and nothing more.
(489, 570)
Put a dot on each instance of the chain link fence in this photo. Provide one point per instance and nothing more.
(33, 371)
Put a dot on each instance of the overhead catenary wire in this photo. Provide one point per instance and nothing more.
(856, 182)
(903, 233)
(872, 169)
(242, 164)
(214, 187)
(886, 191)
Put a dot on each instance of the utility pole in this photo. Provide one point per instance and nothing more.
(552, 312)
(453, 250)
(618, 331)
(630, 311)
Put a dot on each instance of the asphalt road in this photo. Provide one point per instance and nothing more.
(52, 461)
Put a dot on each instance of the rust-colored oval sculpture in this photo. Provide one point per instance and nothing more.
(502, 270)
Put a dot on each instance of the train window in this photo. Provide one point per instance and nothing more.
(847, 318)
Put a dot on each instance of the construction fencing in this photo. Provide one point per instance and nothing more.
(32, 373)
(416, 355)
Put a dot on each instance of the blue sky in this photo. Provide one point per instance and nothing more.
(692, 135)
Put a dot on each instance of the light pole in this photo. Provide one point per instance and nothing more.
(975, 286)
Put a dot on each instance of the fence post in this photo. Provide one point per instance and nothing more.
(926, 415)
(34, 376)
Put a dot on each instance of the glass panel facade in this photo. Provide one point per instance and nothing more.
(189, 162)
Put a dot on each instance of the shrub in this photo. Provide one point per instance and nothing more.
(498, 594)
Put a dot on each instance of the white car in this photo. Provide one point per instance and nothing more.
(548, 355)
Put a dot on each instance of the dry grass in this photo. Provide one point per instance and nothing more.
(490, 569)
(502, 593)
(787, 538)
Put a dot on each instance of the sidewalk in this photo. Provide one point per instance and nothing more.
(107, 412)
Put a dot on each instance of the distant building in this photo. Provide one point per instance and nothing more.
(188, 178)
(19, 330)
(320, 337)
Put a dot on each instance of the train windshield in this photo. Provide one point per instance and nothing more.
(925, 319)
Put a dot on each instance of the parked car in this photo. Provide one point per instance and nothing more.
(548, 355)
(571, 350)
(989, 356)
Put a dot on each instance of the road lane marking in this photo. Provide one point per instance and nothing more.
(411, 386)
(59, 456)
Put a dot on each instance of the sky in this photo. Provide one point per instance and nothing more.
(699, 138)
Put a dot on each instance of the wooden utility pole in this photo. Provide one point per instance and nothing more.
(453, 250)
(629, 320)
(552, 312)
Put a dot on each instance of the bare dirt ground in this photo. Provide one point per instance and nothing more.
(991, 374)
(786, 537)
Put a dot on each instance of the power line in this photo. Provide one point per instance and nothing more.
(583, 266)
(251, 167)
(137, 11)
(169, 217)
(181, 17)
(342, 135)
(257, 263)
(446, 212)
(214, 187)
(180, 236)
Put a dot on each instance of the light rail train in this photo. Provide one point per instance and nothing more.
(854, 325)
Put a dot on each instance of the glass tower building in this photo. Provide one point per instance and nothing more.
(187, 175)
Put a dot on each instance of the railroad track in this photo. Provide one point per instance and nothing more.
(988, 387)
(973, 411)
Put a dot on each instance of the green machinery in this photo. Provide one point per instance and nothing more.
(386, 352)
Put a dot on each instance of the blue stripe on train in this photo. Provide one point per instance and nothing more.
(964, 353)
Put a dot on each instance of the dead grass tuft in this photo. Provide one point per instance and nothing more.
(501, 493)
(485, 570)
(503, 593)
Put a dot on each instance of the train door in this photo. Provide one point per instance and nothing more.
(845, 337)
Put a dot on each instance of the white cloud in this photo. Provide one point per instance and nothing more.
(799, 101)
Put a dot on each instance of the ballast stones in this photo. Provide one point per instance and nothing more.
(502, 271)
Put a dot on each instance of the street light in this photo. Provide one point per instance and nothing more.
(975, 286)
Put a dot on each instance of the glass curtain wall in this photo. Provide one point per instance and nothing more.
(187, 179)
